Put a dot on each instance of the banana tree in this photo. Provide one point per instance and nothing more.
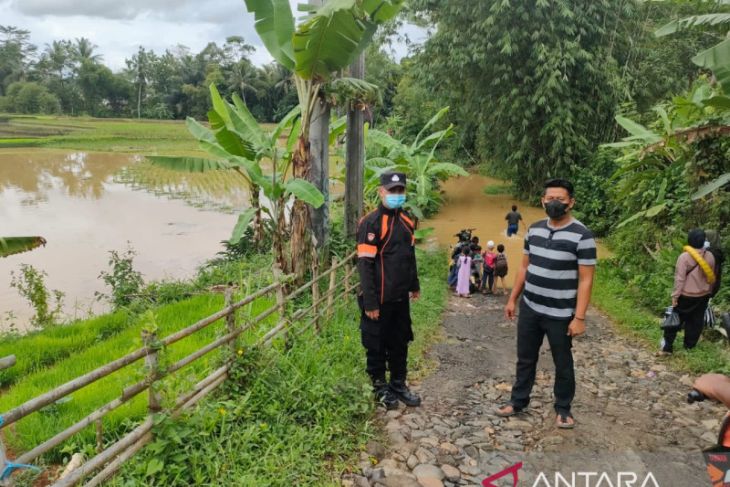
(237, 143)
(325, 42)
(418, 160)
(17, 245)
(715, 58)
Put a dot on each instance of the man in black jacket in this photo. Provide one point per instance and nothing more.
(388, 279)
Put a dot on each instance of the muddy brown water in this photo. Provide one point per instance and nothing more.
(466, 205)
(88, 203)
(76, 201)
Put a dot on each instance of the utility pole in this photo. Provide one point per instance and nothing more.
(319, 173)
(355, 157)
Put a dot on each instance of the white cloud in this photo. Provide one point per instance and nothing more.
(119, 27)
(110, 9)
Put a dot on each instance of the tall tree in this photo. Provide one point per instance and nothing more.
(83, 50)
(535, 80)
(16, 52)
(139, 67)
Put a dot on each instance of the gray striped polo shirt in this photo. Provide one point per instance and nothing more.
(551, 286)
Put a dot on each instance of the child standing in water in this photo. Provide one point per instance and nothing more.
(500, 269)
(463, 279)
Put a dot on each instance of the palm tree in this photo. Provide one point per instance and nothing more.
(84, 51)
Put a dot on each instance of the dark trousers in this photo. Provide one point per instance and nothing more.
(488, 278)
(691, 313)
(386, 340)
(531, 329)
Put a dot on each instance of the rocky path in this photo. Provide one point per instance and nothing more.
(632, 418)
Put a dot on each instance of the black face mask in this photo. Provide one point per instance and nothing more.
(555, 209)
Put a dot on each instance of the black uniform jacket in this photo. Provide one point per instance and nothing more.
(386, 257)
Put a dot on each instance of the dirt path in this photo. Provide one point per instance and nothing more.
(630, 408)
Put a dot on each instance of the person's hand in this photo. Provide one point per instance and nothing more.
(675, 302)
(576, 328)
(414, 295)
(509, 310)
(373, 314)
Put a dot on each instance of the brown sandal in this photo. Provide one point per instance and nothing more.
(562, 421)
(506, 414)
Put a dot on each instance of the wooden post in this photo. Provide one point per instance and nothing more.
(331, 289)
(249, 286)
(348, 273)
(231, 318)
(315, 294)
(355, 157)
(150, 361)
(280, 299)
(99, 436)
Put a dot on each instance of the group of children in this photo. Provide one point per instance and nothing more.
(479, 271)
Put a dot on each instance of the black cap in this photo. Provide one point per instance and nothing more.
(390, 180)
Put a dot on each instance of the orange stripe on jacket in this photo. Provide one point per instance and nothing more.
(408, 220)
(366, 250)
(383, 226)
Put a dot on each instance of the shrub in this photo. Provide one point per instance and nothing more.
(31, 285)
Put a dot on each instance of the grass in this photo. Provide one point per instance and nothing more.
(46, 347)
(287, 417)
(96, 134)
(52, 357)
(497, 189)
(138, 136)
(613, 296)
(35, 428)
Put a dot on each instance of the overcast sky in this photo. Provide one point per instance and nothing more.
(118, 27)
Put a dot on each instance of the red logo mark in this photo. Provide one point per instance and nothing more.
(717, 458)
(513, 470)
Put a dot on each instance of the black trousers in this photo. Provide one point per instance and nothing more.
(386, 340)
(531, 330)
(487, 278)
(691, 313)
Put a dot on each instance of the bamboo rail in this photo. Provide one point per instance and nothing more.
(7, 362)
(110, 458)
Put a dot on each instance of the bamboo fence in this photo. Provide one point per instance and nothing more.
(109, 458)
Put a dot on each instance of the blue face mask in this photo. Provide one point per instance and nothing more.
(394, 201)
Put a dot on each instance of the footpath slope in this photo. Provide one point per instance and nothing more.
(632, 416)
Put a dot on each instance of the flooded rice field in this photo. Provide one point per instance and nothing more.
(86, 204)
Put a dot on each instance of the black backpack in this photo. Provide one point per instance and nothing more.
(500, 264)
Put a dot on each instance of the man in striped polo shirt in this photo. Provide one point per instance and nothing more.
(555, 281)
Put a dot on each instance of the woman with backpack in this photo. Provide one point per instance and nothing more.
(694, 278)
(500, 269)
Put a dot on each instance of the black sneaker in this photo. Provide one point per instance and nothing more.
(384, 396)
(402, 392)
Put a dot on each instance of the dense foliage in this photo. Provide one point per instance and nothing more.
(534, 85)
(665, 182)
